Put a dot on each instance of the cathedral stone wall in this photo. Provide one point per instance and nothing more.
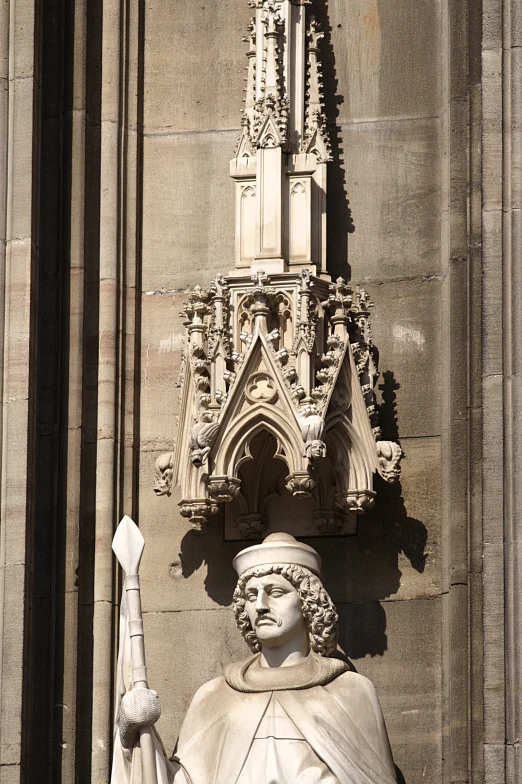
(384, 70)
(117, 124)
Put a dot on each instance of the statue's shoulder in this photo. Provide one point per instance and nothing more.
(354, 682)
(209, 689)
(207, 705)
(354, 679)
(351, 685)
(353, 689)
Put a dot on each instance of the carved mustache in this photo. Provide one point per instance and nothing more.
(270, 616)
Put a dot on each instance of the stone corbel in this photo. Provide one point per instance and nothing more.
(357, 501)
(301, 484)
(223, 489)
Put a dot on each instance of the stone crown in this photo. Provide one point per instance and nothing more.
(278, 548)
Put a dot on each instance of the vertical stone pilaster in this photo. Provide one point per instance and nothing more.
(120, 238)
(502, 392)
(455, 418)
(512, 323)
(18, 256)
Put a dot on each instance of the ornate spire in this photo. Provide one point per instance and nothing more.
(284, 71)
(279, 365)
(281, 155)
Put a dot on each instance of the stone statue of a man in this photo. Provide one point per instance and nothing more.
(289, 714)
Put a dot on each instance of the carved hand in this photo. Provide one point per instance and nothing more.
(138, 708)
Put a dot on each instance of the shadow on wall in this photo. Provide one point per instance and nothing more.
(340, 223)
(211, 550)
(364, 569)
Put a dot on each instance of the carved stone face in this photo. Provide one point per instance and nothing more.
(317, 450)
(274, 609)
(199, 456)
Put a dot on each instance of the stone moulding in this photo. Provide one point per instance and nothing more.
(278, 366)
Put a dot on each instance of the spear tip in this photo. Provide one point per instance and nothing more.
(127, 545)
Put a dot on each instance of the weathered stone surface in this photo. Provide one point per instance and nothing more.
(396, 553)
(181, 569)
(378, 49)
(14, 578)
(162, 331)
(187, 649)
(406, 330)
(492, 129)
(379, 637)
(194, 65)
(188, 222)
(390, 174)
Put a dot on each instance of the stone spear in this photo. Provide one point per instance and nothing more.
(128, 544)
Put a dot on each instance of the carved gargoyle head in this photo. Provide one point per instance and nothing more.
(199, 457)
(201, 440)
(390, 455)
(164, 474)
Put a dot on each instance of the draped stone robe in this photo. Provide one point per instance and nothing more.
(334, 710)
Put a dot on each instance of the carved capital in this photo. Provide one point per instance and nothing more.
(357, 501)
(198, 512)
(251, 526)
(223, 488)
(301, 484)
(328, 521)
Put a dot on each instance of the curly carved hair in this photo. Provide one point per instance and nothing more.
(318, 609)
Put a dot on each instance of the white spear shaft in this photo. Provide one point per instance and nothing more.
(128, 544)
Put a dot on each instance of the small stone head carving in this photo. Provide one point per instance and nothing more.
(317, 607)
(315, 450)
(199, 456)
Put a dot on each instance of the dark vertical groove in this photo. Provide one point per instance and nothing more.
(121, 308)
(340, 222)
(139, 225)
(58, 708)
(44, 370)
(89, 393)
